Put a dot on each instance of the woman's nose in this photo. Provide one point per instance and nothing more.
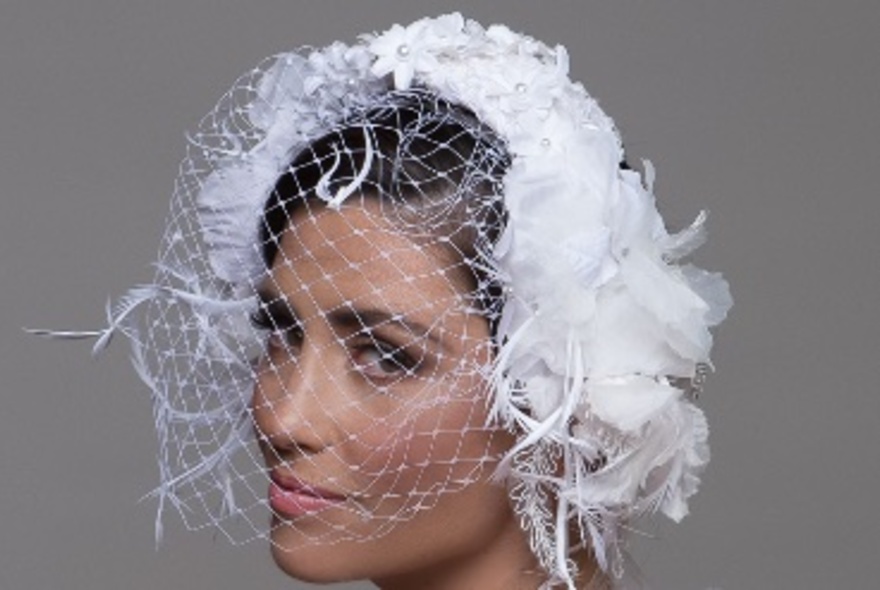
(291, 401)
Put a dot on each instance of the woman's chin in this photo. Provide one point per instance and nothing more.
(311, 560)
(309, 563)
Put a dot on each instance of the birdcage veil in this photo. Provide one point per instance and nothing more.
(456, 173)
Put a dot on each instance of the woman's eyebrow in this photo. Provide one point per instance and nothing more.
(267, 295)
(352, 318)
(276, 306)
(348, 317)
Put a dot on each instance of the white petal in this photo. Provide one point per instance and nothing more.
(630, 402)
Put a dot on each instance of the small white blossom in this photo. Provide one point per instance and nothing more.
(524, 85)
(503, 37)
(402, 51)
(596, 318)
(447, 33)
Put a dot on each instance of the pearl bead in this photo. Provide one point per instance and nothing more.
(521, 88)
(545, 142)
(403, 51)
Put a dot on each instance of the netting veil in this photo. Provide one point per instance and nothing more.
(399, 267)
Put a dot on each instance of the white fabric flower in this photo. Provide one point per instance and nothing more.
(598, 315)
(589, 254)
(447, 33)
(504, 38)
(339, 68)
(229, 206)
(523, 85)
(281, 84)
(627, 403)
(402, 51)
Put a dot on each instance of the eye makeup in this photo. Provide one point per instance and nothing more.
(383, 347)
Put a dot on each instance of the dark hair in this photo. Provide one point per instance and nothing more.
(436, 171)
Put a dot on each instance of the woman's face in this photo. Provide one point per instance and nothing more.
(371, 402)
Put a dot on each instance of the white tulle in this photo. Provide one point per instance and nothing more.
(600, 324)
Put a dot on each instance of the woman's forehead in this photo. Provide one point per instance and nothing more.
(356, 255)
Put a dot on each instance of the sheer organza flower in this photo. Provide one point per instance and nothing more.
(599, 322)
(402, 51)
(524, 85)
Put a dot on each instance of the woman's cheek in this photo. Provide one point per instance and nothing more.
(432, 446)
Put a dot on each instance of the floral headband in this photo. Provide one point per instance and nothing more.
(603, 339)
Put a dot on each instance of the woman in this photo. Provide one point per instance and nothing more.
(415, 273)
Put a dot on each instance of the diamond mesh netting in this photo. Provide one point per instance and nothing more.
(386, 300)
(415, 269)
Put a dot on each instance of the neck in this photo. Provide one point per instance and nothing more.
(506, 563)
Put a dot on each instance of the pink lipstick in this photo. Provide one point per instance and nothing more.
(291, 497)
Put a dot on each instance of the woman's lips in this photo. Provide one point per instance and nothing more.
(289, 496)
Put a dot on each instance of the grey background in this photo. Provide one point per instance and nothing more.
(764, 113)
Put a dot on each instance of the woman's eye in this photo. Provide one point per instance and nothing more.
(285, 338)
(380, 360)
(281, 334)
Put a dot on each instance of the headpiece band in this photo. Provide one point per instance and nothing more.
(602, 335)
